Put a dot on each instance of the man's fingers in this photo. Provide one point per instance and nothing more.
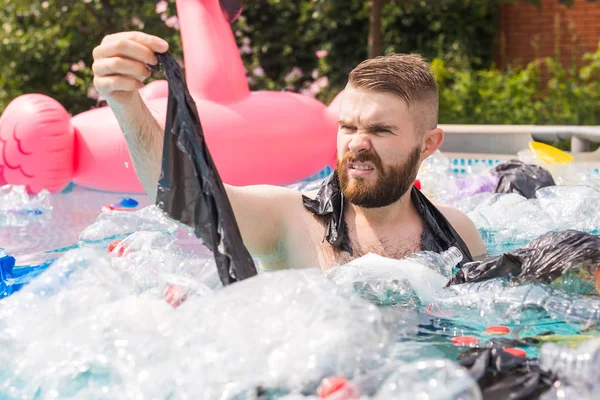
(108, 84)
(125, 48)
(154, 43)
(120, 66)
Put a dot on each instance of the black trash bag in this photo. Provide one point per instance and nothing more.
(502, 375)
(524, 179)
(438, 235)
(190, 189)
(329, 204)
(544, 259)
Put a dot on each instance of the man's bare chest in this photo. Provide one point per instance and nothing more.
(397, 245)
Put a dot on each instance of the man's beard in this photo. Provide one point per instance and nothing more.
(391, 184)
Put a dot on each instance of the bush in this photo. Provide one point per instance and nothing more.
(544, 92)
(301, 45)
(46, 46)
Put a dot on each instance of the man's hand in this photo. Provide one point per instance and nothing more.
(121, 64)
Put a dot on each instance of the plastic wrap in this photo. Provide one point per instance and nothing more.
(570, 255)
(190, 189)
(524, 179)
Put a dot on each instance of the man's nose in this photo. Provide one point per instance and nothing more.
(359, 144)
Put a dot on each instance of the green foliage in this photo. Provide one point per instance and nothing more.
(286, 35)
(543, 92)
(308, 46)
(41, 40)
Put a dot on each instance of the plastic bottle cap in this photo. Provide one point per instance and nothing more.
(498, 330)
(515, 351)
(128, 202)
(114, 244)
(465, 340)
(175, 295)
(336, 385)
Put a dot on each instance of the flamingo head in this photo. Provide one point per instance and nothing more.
(231, 9)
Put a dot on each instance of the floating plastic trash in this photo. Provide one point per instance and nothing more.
(550, 154)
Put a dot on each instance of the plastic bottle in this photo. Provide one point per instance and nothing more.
(520, 303)
(579, 366)
(442, 263)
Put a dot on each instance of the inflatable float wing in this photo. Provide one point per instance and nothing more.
(190, 189)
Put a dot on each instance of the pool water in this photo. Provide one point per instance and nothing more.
(415, 333)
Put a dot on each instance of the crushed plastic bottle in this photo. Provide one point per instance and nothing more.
(18, 208)
(496, 302)
(577, 366)
(115, 224)
(408, 281)
(424, 379)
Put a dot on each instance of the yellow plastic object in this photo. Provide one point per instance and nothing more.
(550, 154)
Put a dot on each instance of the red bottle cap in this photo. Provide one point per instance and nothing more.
(465, 340)
(498, 330)
(515, 351)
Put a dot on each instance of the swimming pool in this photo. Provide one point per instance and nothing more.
(95, 325)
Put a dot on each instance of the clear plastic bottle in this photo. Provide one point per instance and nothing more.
(443, 263)
(578, 366)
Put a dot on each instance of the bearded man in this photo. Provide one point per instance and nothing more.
(388, 125)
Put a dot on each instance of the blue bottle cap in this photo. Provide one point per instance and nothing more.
(128, 202)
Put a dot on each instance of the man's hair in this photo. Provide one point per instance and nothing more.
(405, 75)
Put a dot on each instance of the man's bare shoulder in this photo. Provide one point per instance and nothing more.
(465, 228)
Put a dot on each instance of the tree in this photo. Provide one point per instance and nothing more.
(375, 21)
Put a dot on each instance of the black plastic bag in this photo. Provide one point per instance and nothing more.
(438, 235)
(544, 259)
(190, 189)
(524, 179)
(502, 375)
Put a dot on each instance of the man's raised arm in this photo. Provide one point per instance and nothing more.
(120, 67)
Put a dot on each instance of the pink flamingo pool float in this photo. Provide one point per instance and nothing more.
(254, 137)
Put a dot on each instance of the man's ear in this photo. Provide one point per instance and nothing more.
(432, 140)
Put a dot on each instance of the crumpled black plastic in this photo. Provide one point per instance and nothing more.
(501, 375)
(542, 260)
(524, 179)
(438, 235)
(190, 189)
(329, 204)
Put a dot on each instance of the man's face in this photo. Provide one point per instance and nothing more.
(379, 151)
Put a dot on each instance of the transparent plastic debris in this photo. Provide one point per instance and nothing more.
(96, 325)
(439, 181)
(387, 281)
(510, 219)
(577, 367)
(495, 301)
(18, 208)
(571, 207)
(424, 379)
(113, 224)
